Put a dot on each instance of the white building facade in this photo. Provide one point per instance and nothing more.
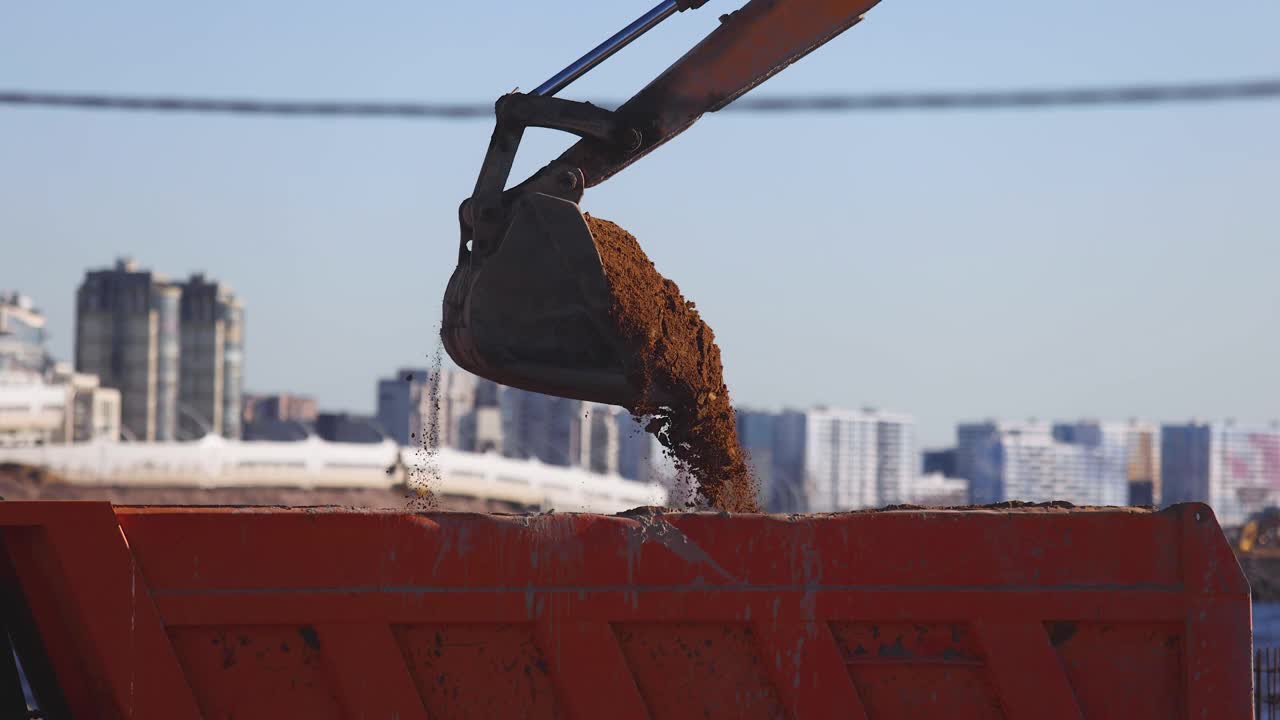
(599, 442)
(63, 407)
(831, 459)
(408, 401)
(1235, 469)
(1081, 463)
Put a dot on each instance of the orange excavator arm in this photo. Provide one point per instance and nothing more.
(751, 45)
(528, 304)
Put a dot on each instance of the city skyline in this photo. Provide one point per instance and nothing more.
(1125, 252)
(149, 347)
(819, 459)
(33, 307)
(933, 431)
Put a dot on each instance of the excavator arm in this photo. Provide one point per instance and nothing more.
(528, 304)
(751, 45)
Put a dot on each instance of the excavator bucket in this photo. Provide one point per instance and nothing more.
(534, 312)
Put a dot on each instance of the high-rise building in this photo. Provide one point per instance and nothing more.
(638, 451)
(1103, 458)
(233, 371)
(400, 400)
(210, 383)
(1234, 469)
(757, 434)
(896, 459)
(1082, 463)
(1143, 471)
(828, 459)
(481, 428)
(125, 334)
(173, 350)
(1007, 461)
(599, 441)
(790, 490)
(22, 336)
(544, 427)
(417, 403)
(941, 462)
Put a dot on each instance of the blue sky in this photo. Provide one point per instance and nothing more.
(1112, 263)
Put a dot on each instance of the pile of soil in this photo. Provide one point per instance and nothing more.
(677, 352)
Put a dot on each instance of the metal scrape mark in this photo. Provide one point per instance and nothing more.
(655, 528)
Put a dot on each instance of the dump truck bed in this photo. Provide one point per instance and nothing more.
(146, 612)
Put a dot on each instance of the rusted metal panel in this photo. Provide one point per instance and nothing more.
(1024, 613)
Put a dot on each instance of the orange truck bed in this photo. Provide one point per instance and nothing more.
(149, 612)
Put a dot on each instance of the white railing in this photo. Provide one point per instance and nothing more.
(313, 463)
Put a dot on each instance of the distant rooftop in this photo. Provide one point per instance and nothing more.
(13, 298)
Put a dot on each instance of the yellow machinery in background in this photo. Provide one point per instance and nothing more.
(1260, 536)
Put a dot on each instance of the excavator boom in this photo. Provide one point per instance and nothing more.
(750, 46)
(529, 302)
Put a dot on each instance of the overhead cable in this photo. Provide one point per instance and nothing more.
(1132, 95)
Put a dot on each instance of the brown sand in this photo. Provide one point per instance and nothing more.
(678, 353)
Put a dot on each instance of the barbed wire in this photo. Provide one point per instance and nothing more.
(823, 103)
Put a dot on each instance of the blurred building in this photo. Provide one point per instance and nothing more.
(418, 403)
(1081, 463)
(269, 430)
(175, 351)
(897, 464)
(63, 407)
(350, 428)
(941, 462)
(280, 407)
(1236, 470)
(211, 359)
(935, 490)
(639, 454)
(599, 441)
(1102, 462)
(757, 431)
(32, 412)
(481, 430)
(543, 427)
(789, 492)
(1143, 471)
(456, 400)
(827, 459)
(127, 335)
(95, 410)
(22, 335)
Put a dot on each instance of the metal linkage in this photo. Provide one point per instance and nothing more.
(604, 50)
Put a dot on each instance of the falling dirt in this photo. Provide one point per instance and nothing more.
(678, 353)
(425, 473)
